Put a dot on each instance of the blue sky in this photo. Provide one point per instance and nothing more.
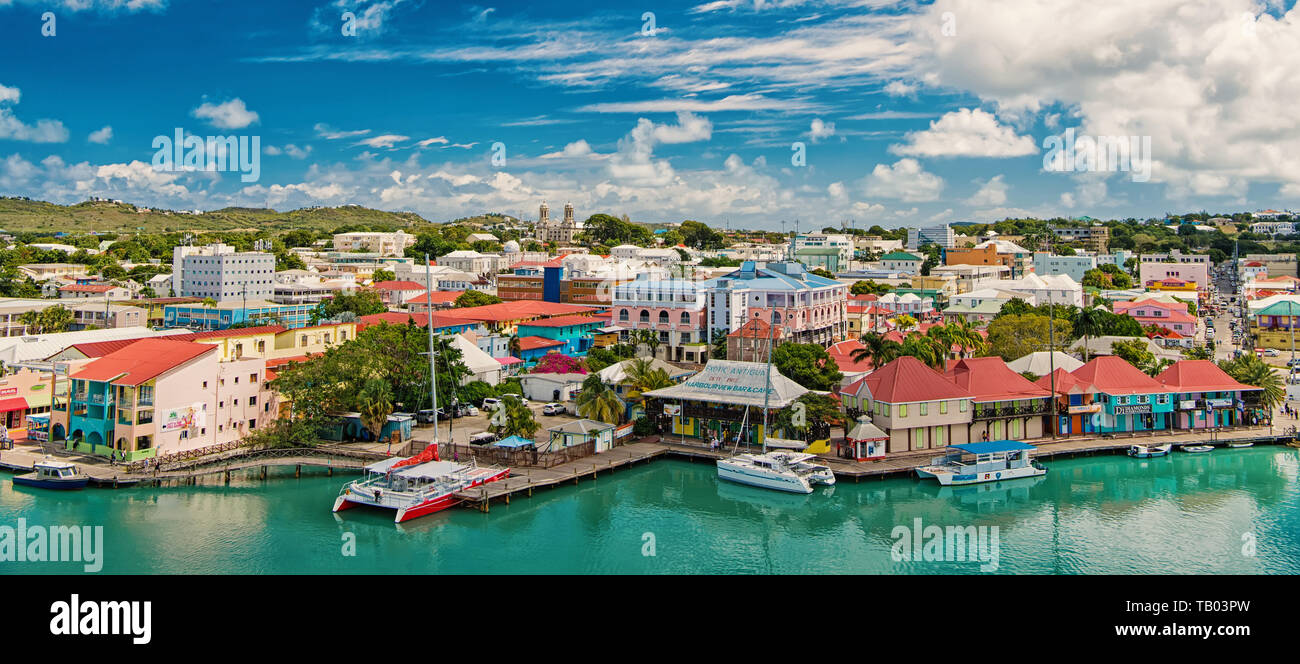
(908, 112)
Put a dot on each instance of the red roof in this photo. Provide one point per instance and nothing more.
(842, 353)
(438, 297)
(1199, 376)
(757, 328)
(565, 321)
(141, 361)
(907, 379)
(1113, 375)
(397, 285)
(440, 319)
(534, 343)
(520, 310)
(102, 348)
(990, 379)
(1065, 382)
(88, 288)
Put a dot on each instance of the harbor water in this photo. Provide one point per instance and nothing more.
(1230, 511)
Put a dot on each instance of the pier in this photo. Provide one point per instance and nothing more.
(525, 480)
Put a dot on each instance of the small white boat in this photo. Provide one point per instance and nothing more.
(783, 471)
(51, 474)
(1197, 449)
(1241, 445)
(1147, 451)
(989, 461)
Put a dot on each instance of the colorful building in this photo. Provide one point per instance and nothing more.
(1129, 399)
(234, 312)
(1205, 396)
(1005, 404)
(917, 406)
(1168, 315)
(577, 332)
(813, 308)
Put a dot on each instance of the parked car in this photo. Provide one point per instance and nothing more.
(1293, 363)
(553, 408)
(485, 438)
(471, 411)
(489, 403)
(1271, 352)
(424, 416)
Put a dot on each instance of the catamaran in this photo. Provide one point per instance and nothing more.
(988, 461)
(783, 471)
(414, 486)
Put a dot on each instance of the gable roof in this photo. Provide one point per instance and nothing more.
(1199, 376)
(534, 343)
(141, 361)
(907, 379)
(565, 321)
(1113, 375)
(1066, 383)
(989, 379)
(397, 285)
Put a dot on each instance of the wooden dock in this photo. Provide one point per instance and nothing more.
(525, 480)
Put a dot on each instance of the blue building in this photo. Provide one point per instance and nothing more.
(197, 316)
(577, 332)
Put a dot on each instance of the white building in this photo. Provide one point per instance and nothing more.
(841, 243)
(1074, 267)
(940, 235)
(384, 244)
(471, 261)
(219, 272)
(1050, 289)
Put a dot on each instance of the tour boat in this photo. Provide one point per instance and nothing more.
(415, 486)
(49, 474)
(988, 461)
(1197, 448)
(783, 471)
(1145, 451)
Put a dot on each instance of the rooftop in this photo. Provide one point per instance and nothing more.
(142, 361)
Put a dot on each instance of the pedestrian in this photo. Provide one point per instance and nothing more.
(455, 456)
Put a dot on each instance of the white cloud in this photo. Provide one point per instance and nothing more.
(991, 193)
(329, 133)
(575, 150)
(439, 140)
(384, 140)
(966, 133)
(747, 102)
(819, 129)
(900, 89)
(633, 162)
(231, 114)
(12, 128)
(905, 180)
(101, 136)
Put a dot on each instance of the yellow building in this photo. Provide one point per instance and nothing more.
(1171, 285)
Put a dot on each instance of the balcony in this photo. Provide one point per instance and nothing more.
(100, 399)
(1039, 408)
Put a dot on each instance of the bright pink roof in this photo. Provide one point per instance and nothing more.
(907, 379)
(1199, 376)
(141, 361)
(1113, 375)
(564, 321)
(438, 297)
(990, 379)
(397, 285)
(508, 360)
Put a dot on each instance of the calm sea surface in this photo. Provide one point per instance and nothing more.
(1186, 513)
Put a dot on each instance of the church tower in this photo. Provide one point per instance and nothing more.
(568, 214)
(544, 214)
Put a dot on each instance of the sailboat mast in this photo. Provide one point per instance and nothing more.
(433, 372)
(767, 391)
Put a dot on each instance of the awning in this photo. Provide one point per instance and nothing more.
(12, 403)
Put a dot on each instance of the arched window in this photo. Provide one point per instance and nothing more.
(663, 316)
(776, 317)
(622, 315)
(686, 318)
(645, 316)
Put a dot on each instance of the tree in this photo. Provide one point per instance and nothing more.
(364, 302)
(932, 351)
(904, 323)
(649, 339)
(48, 320)
(1089, 323)
(559, 363)
(718, 349)
(473, 298)
(822, 272)
(878, 349)
(382, 275)
(641, 377)
(1136, 353)
(518, 420)
(1016, 336)
(598, 401)
(869, 287)
(375, 404)
(1198, 353)
(808, 365)
(818, 409)
(1250, 370)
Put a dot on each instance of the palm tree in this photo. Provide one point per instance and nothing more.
(1088, 324)
(519, 419)
(643, 377)
(601, 403)
(878, 349)
(1198, 353)
(930, 350)
(375, 402)
(964, 335)
(514, 346)
(650, 339)
(904, 323)
(1250, 370)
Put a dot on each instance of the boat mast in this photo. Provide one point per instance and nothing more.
(433, 372)
(767, 392)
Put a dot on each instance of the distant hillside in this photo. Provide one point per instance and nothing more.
(19, 215)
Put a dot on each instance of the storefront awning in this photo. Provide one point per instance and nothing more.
(12, 403)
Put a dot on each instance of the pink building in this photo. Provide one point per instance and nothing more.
(1168, 315)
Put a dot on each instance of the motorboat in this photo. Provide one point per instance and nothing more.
(987, 461)
(1197, 449)
(50, 474)
(783, 471)
(1147, 451)
(1241, 445)
(415, 486)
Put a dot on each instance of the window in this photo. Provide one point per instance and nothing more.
(663, 316)
(252, 378)
(963, 405)
(902, 410)
(925, 408)
(252, 424)
(938, 436)
(943, 407)
(205, 384)
(920, 438)
(622, 315)
(645, 316)
(686, 318)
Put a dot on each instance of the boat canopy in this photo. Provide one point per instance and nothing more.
(431, 470)
(993, 447)
(384, 466)
(785, 444)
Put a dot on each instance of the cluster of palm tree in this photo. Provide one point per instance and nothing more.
(375, 402)
(1250, 370)
(48, 320)
(649, 339)
(516, 419)
(933, 348)
(599, 401)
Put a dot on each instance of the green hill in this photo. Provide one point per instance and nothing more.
(21, 215)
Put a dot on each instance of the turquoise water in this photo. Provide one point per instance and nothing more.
(1179, 514)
